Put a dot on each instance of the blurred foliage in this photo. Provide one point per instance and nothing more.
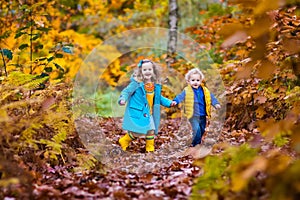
(36, 34)
(260, 69)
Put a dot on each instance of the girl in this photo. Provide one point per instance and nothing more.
(142, 113)
(198, 101)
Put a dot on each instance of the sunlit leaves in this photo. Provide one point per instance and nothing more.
(54, 146)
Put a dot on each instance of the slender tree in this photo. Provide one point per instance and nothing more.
(173, 21)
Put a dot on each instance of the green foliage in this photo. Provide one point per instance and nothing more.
(214, 169)
(34, 43)
(36, 125)
(219, 175)
(27, 81)
(216, 57)
(85, 162)
(217, 9)
(54, 145)
(106, 102)
(281, 140)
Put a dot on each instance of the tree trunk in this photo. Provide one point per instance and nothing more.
(172, 42)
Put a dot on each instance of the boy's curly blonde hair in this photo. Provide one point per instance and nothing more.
(194, 71)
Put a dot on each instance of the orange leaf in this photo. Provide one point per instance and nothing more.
(238, 36)
(261, 26)
(244, 71)
(228, 29)
(292, 46)
(260, 112)
(266, 69)
(261, 99)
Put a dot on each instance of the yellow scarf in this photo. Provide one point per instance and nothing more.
(189, 101)
(149, 88)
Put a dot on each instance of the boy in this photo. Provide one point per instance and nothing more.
(198, 101)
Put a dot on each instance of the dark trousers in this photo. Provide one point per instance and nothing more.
(198, 125)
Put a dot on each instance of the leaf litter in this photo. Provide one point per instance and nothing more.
(101, 138)
(167, 173)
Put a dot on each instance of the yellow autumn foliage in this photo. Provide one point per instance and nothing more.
(83, 44)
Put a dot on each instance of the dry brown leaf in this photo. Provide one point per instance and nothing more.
(238, 36)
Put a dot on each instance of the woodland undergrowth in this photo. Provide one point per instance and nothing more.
(257, 152)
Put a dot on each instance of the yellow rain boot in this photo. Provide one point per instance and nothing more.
(150, 143)
(125, 140)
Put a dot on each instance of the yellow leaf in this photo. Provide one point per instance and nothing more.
(242, 176)
(46, 154)
(266, 5)
(8, 182)
(237, 182)
(260, 112)
(3, 116)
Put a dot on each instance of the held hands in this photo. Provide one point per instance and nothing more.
(122, 103)
(217, 106)
(174, 103)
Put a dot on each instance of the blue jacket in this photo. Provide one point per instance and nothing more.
(131, 87)
(137, 112)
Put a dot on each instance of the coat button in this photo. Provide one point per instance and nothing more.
(145, 114)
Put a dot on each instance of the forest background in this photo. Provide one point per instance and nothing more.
(255, 46)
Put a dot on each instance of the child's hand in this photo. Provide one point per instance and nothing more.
(217, 106)
(122, 102)
(174, 103)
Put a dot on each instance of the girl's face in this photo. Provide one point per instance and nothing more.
(147, 71)
(195, 80)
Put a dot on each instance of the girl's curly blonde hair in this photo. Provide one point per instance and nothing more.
(156, 70)
(194, 71)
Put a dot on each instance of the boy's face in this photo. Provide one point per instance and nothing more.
(147, 71)
(194, 80)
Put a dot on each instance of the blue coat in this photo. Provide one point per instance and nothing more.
(137, 112)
